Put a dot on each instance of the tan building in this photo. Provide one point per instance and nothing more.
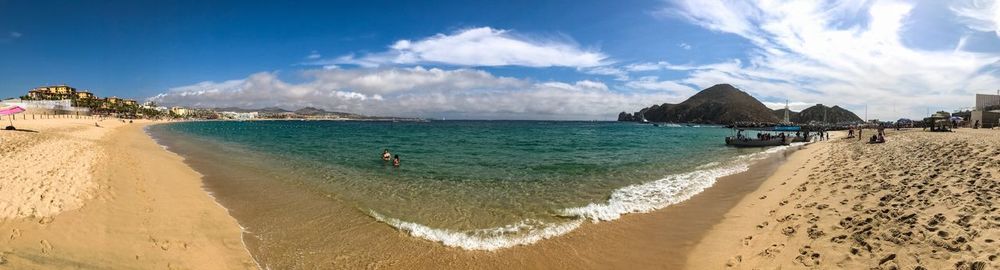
(986, 100)
(129, 102)
(112, 100)
(987, 112)
(178, 111)
(84, 95)
(52, 92)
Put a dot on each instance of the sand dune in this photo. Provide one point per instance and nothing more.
(79, 196)
(920, 201)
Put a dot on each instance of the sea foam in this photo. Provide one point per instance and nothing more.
(638, 198)
(522, 233)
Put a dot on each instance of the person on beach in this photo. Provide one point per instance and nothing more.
(859, 133)
(386, 155)
(395, 161)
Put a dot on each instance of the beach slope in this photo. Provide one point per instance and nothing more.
(920, 201)
(80, 196)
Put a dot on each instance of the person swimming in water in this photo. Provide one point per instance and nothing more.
(395, 161)
(386, 155)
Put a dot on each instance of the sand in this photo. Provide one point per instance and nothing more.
(920, 201)
(74, 195)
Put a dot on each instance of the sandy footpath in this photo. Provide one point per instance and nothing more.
(73, 195)
(920, 201)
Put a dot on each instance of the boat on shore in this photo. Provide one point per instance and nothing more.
(773, 136)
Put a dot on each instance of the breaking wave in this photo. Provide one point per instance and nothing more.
(638, 198)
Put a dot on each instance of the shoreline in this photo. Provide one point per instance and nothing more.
(688, 220)
(145, 207)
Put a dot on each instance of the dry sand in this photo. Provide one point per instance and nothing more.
(74, 195)
(920, 201)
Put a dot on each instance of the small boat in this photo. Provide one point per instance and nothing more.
(751, 142)
(745, 141)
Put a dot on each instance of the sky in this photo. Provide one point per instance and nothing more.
(561, 60)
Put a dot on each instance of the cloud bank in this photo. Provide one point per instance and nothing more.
(417, 91)
(482, 46)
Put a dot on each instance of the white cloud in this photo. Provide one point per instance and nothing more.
(979, 15)
(314, 55)
(653, 83)
(836, 52)
(482, 46)
(14, 35)
(417, 91)
(684, 46)
(664, 65)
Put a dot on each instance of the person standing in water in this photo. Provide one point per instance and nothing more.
(386, 155)
(395, 161)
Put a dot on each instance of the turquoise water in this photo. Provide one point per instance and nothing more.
(481, 185)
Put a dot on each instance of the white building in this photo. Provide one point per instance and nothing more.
(46, 106)
(242, 116)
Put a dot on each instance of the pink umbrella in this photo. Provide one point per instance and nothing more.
(10, 111)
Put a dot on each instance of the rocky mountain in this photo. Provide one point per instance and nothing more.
(719, 104)
(833, 114)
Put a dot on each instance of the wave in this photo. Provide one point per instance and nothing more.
(638, 198)
(522, 233)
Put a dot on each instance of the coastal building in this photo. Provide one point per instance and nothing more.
(179, 111)
(986, 100)
(45, 106)
(61, 91)
(986, 112)
(112, 100)
(129, 102)
(84, 95)
(242, 116)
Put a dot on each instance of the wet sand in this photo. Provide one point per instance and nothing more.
(920, 201)
(289, 227)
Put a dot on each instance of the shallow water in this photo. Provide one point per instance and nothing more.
(478, 185)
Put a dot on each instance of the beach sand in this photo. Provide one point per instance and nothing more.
(920, 201)
(74, 195)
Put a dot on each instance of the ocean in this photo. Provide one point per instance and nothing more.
(299, 187)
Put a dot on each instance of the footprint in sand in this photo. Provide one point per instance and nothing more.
(14, 234)
(807, 257)
(46, 247)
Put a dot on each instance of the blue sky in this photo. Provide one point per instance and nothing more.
(507, 59)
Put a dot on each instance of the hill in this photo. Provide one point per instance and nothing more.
(833, 114)
(719, 104)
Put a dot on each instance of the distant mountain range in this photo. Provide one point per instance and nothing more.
(725, 104)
